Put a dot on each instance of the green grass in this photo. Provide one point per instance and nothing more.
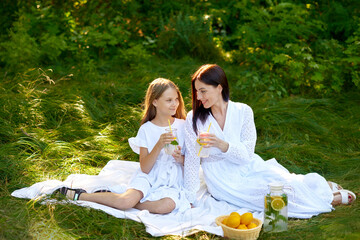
(53, 125)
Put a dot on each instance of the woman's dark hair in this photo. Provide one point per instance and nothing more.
(210, 74)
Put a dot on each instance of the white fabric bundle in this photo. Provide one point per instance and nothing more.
(115, 177)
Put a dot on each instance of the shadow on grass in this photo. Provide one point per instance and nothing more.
(14, 217)
(87, 223)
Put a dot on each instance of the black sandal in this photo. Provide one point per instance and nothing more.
(63, 191)
(102, 190)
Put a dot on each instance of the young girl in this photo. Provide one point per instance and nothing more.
(157, 185)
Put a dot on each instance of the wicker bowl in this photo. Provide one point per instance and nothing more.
(244, 234)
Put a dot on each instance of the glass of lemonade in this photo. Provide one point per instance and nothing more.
(171, 147)
(201, 151)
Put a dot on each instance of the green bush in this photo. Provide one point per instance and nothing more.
(187, 35)
(283, 49)
(21, 50)
(136, 54)
(352, 59)
(46, 33)
(280, 47)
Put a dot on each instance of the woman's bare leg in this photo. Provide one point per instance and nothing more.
(331, 185)
(121, 201)
(162, 206)
(337, 200)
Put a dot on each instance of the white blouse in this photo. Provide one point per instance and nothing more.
(239, 176)
(166, 176)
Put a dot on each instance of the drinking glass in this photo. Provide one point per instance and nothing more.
(171, 147)
(201, 151)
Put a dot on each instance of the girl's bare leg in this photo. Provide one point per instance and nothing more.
(162, 206)
(121, 201)
(129, 199)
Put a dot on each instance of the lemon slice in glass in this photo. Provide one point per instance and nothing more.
(200, 143)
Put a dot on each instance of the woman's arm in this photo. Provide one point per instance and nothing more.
(242, 150)
(147, 160)
(192, 162)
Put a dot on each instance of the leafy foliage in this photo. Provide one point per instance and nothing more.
(281, 47)
(284, 48)
(187, 35)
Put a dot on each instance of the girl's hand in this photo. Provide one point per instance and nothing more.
(211, 140)
(165, 138)
(177, 155)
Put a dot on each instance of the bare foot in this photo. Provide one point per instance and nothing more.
(70, 194)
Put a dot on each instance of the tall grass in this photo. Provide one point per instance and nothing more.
(53, 125)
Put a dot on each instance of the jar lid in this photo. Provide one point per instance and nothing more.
(276, 185)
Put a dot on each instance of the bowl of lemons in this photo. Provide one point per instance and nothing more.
(237, 226)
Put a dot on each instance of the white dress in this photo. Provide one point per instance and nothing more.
(241, 177)
(166, 176)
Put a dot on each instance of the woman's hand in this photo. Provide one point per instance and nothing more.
(177, 155)
(211, 140)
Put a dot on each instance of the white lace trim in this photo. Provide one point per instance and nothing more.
(192, 162)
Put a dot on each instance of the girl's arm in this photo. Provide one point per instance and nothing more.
(178, 157)
(147, 160)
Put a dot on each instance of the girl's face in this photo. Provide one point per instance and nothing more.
(208, 94)
(167, 103)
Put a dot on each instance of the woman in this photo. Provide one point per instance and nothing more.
(233, 172)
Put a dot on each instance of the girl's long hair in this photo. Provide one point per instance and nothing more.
(154, 91)
(210, 74)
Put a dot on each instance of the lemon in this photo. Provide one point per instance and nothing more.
(265, 202)
(200, 143)
(225, 221)
(246, 218)
(277, 204)
(233, 220)
(235, 213)
(242, 226)
(251, 225)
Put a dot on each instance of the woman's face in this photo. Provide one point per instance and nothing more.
(167, 103)
(208, 94)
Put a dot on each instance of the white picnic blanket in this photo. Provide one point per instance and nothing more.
(115, 176)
